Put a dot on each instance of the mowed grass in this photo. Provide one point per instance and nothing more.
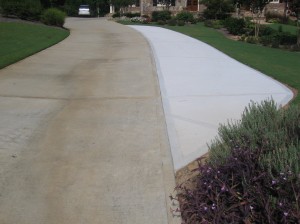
(282, 65)
(20, 40)
(285, 28)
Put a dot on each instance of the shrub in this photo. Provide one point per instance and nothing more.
(251, 40)
(274, 38)
(287, 38)
(161, 22)
(116, 15)
(216, 24)
(53, 17)
(161, 15)
(235, 26)
(185, 16)
(24, 9)
(180, 23)
(268, 41)
(172, 22)
(252, 172)
(266, 31)
(217, 9)
(193, 21)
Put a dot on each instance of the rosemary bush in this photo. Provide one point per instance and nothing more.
(252, 173)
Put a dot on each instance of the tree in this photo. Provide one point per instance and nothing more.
(24, 9)
(97, 7)
(294, 6)
(217, 9)
(122, 4)
(256, 7)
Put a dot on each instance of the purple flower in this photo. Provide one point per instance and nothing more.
(213, 207)
(274, 182)
(285, 213)
(251, 207)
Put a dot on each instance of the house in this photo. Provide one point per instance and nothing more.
(146, 7)
(276, 7)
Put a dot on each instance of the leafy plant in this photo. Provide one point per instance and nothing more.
(252, 172)
(172, 22)
(216, 24)
(161, 22)
(217, 9)
(116, 14)
(53, 17)
(234, 25)
(161, 15)
(24, 9)
(185, 16)
(180, 23)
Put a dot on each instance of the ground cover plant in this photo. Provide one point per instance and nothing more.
(252, 172)
(20, 40)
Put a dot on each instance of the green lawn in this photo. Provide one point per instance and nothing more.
(285, 28)
(20, 40)
(282, 65)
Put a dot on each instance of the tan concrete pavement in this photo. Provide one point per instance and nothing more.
(82, 132)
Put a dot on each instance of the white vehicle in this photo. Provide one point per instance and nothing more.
(84, 10)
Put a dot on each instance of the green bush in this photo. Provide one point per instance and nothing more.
(235, 26)
(287, 38)
(261, 125)
(53, 17)
(180, 23)
(217, 9)
(115, 15)
(161, 22)
(270, 37)
(251, 40)
(161, 15)
(266, 31)
(185, 16)
(216, 24)
(193, 21)
(172, 22)
(252, 172)
(24, 9)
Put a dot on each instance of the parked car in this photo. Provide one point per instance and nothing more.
(84, 10)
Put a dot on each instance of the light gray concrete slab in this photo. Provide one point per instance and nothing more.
(202, 88)
(83, 138)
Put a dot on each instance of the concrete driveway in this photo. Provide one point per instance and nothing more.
(203, 88)
(82, 132)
